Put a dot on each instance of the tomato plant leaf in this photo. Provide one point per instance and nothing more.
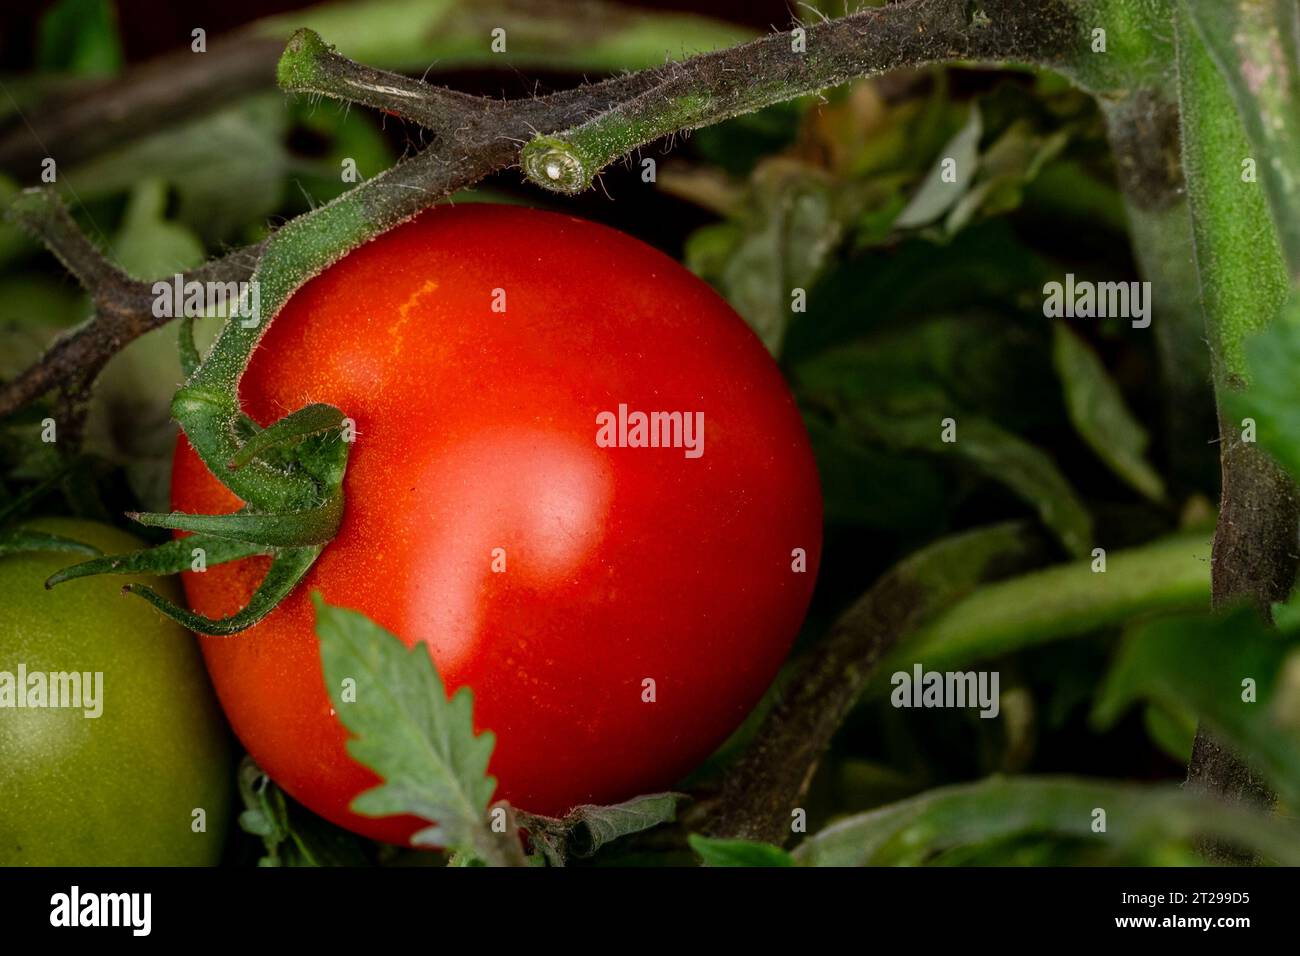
(220, 188)
(949, 178)
(1100, 416)
(716, 852)
(1058, 603)
(1142, 823)
(290, 835)
(585, 829)
(793, 220)
(1238, 675)
(992, 451)
(407, 730)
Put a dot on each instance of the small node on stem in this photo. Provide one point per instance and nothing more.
(555, 165)
(299, 63)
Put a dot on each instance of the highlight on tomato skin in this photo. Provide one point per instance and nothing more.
(617, 597)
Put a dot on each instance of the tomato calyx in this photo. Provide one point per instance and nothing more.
(289, 474)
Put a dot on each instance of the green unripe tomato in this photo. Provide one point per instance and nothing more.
(121, 788)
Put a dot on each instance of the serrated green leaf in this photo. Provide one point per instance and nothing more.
(1139, 820)
(1201, 663)
(715, 852)
(1099, 414)
(407, 730)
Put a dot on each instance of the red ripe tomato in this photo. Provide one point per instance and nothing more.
(475, 348)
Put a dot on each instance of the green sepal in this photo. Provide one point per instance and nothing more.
(169, 558)
(189, 351)
(293, 529)
(290, 430)
(287, 569)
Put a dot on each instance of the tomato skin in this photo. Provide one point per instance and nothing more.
(476, 431)
(118, 789)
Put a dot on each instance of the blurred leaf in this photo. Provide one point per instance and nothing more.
(1066, 189)
(1138, 818)
(737, 145)
(1011, 161)
(33, 302)
(792, 223)
(1005, 458)
(1172, 732)
(865, 486)
(228, 167)
(1059, 603)
(1199, 664)
(14, 242)
(568, 37)
(79, 36)
(1098, 412)
(887, 406)
(715, 852)
(147, 246)
(349, 135)
(986, 265)
(869, 783)
(984, 362)
(1029, 850)
(23, 540)
(937, 194)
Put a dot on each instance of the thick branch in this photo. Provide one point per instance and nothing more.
(718, 86)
